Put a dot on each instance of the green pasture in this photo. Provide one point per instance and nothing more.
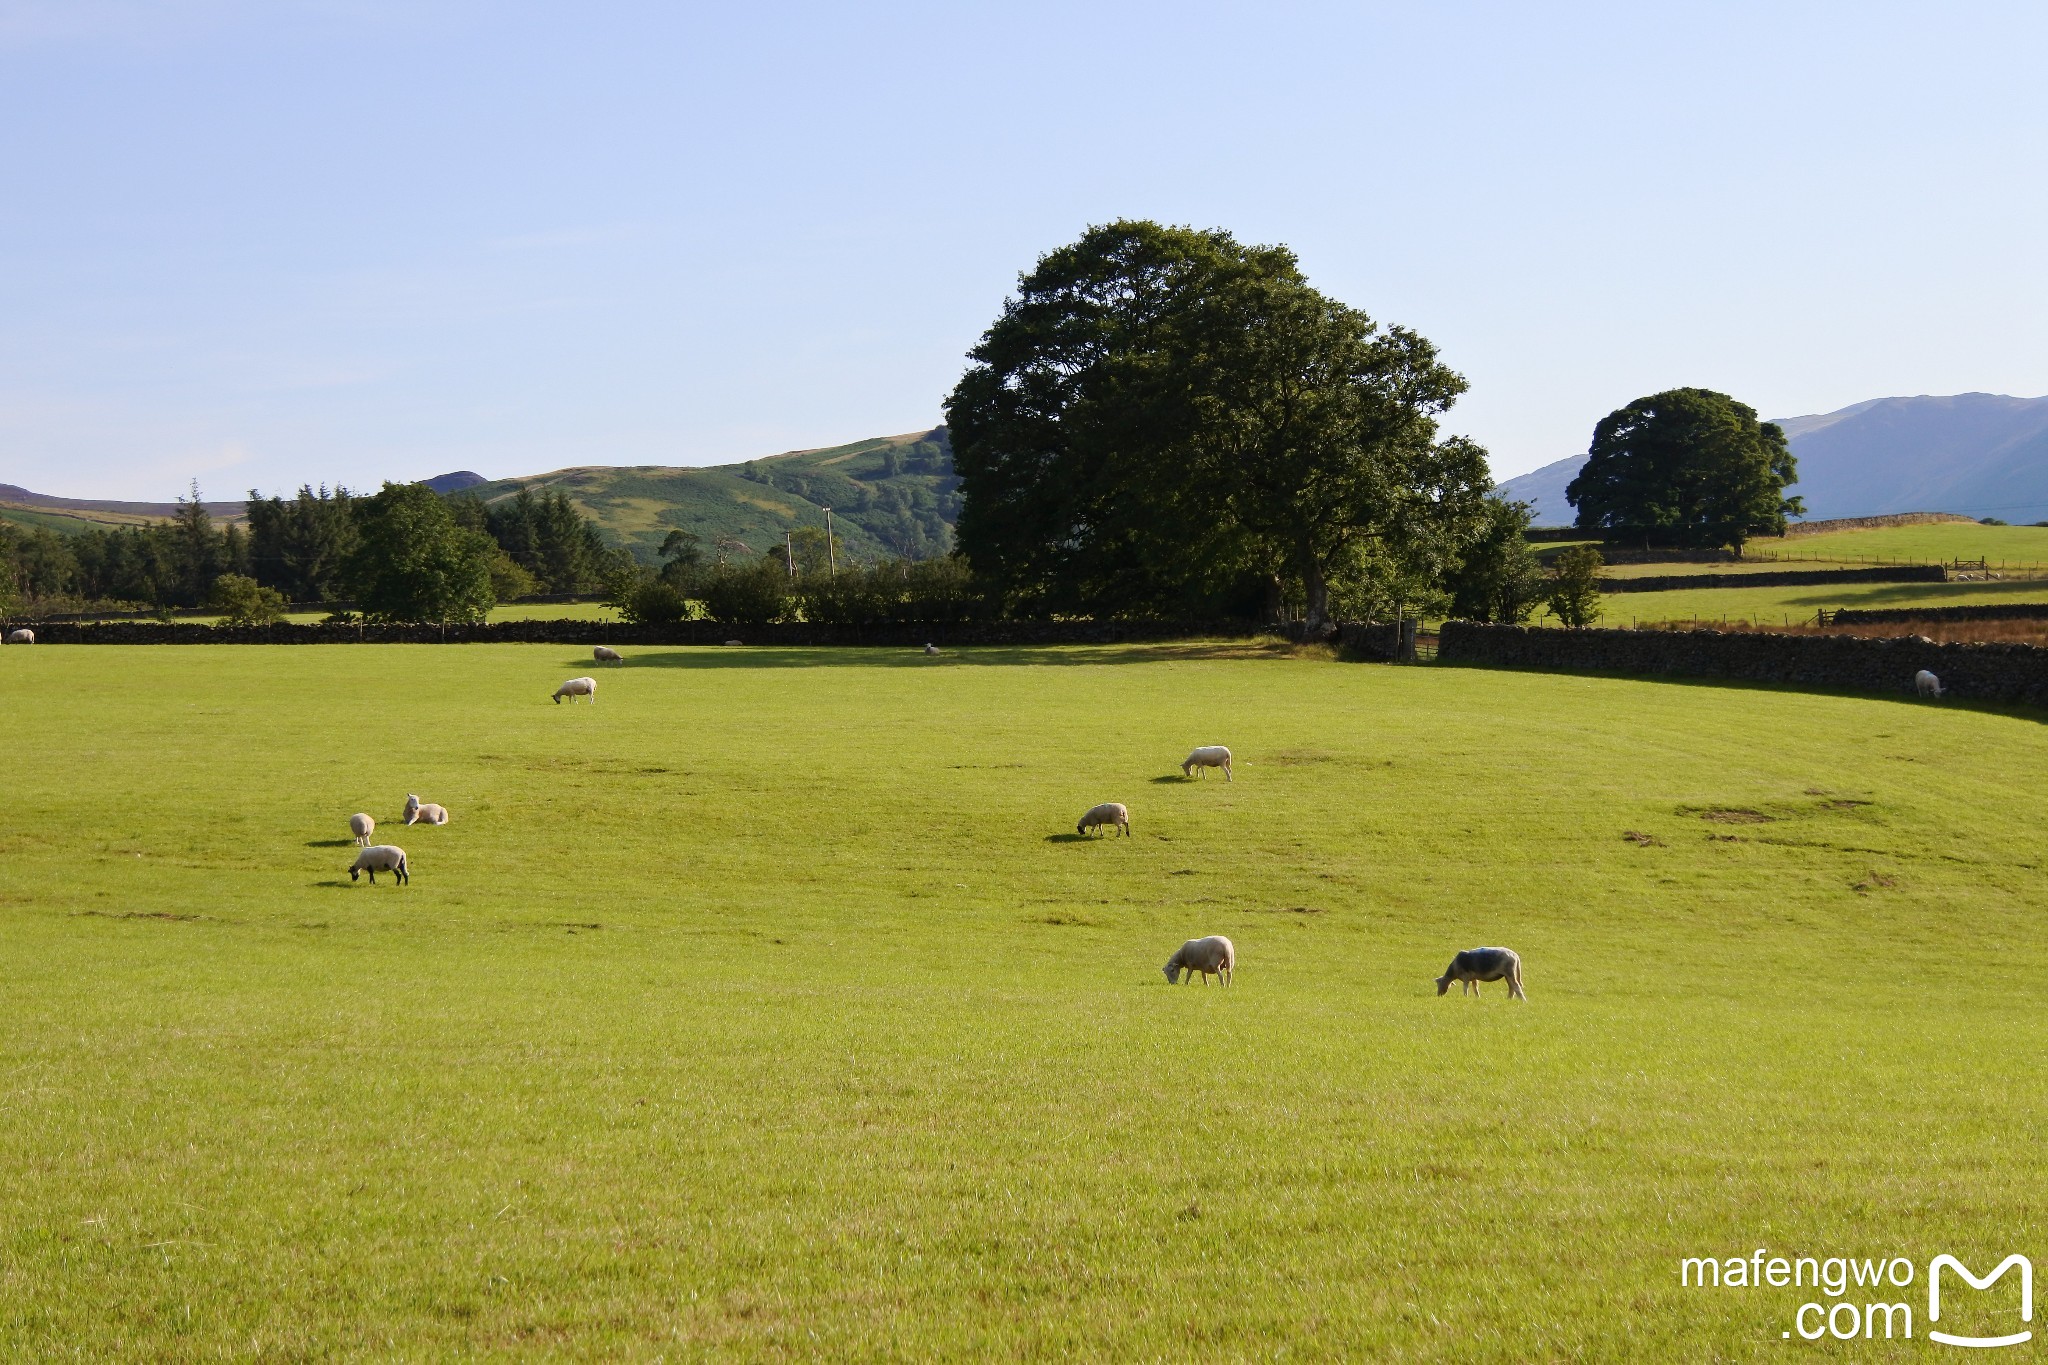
(770, 1008)
(1932, 542)
(1798, 603)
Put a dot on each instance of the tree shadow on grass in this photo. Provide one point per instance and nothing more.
(956, 656)
(330, 843)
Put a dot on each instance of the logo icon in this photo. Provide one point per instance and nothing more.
(1934, 1298)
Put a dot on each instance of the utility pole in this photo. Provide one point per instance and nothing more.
(831, 555)
(789, 552)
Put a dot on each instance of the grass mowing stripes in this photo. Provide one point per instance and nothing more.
(768, 1007)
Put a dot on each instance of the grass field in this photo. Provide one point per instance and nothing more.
(1799, 603)
(1932, 542)
(769, 1007)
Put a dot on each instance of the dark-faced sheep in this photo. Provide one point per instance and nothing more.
(381, 858)
(1475, 965)
(577, 687)
(1108, 813)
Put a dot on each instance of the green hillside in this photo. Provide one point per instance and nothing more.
(891, 495)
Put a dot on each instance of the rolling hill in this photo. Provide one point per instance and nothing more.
(1982, 454)
(889, 495)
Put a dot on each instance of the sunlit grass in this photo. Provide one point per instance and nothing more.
(767, 1007)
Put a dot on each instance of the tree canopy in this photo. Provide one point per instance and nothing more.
(1166, 420)
(415, 562)
(1686, 467)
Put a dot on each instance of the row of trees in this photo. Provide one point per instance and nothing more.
(405, 553)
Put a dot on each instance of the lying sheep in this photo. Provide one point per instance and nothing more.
(417, 813)
(360, 825)
(1927, 685)
(1204, 955)
(1209, 756)
(577, 687)
(735, 642)
(931, 649)
(21, 637)
(1475, 965)
(1108, 813)
(381, 858)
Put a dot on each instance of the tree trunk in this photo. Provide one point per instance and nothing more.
(1318, 590)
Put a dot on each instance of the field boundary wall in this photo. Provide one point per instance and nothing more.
(569, 632)
(1978, 672)
(1777, 578)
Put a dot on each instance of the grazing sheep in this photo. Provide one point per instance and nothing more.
(424, 814)
(381, 858)
(360, 825)
(605, 654)
(1927, 685)
(1475, 965)
(577, 687)
(1209, 756)
(1204, 955)
(1108, 813)
(21, 637)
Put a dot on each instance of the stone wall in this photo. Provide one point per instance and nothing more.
(1778, 578)
(1821, 528)
(1987, 611)
(896, 635)
(1978, 672)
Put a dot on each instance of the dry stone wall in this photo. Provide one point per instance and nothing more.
(1977, 672)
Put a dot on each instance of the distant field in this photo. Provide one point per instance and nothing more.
(1800, 603)
(769, 1008)
(1937, 541)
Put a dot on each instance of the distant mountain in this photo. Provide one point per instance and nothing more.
(454, 483)
(1982, 454)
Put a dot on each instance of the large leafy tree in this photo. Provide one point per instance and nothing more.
(414, 562)
(1498, 578)
(1686, 467)
(1163, 418)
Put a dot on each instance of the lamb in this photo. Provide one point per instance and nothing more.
(21, 637)
(1108, 813)
(1475, 965)
(427, 814)
(1205, 955)
(577, 687)
(605, 654)
(381, 858)
(360, 825)
(1206, 757)
(1925, 684)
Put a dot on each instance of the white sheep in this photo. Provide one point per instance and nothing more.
(1108, 813)
(577, 687)
(361, 825)
(1927, 685)
(381, 858)
(1205, 955)
(428, 813)
(21, 637)
(735, 642)
(931, 649)
(1206, 757)
(605, 654)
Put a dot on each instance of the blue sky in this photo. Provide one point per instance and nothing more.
(269, 243)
